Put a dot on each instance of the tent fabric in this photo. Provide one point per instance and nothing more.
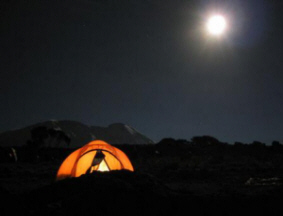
(80, 161)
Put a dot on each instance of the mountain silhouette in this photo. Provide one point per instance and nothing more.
(79, 134)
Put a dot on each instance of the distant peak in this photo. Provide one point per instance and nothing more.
(117, 125)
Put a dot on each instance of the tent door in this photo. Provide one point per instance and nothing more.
(98, 163)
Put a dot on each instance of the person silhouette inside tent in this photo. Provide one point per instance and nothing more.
(98, 158)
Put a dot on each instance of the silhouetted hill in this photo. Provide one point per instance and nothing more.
(119, 134)
(78, 133)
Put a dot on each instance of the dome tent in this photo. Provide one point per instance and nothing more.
(94, 156)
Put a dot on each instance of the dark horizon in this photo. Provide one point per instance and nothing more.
(155, 141)
(147, 64)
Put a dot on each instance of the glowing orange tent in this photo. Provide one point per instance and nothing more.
(94, 156)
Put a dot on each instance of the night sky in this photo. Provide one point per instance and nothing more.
(146, 63)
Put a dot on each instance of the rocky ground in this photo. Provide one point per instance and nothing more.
(169, 178)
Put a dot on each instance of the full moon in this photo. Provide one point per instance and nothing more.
(216, 25)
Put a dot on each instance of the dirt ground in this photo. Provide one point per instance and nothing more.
(166, 180)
